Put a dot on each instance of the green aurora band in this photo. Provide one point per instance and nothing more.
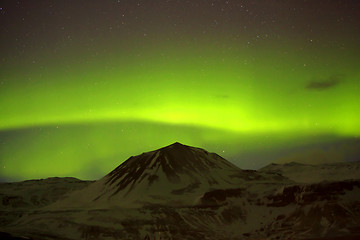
(259, 92)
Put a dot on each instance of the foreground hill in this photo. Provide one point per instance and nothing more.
(182, 192)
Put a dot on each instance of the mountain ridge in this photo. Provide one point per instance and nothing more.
(314, 173)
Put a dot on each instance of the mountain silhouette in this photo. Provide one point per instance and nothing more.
(173, 175)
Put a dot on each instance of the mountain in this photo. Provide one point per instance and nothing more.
(307, 173)
(32, 194)
(175, 175)
(183, 192)
(19, 197)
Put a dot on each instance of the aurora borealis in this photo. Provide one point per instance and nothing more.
(86, 84)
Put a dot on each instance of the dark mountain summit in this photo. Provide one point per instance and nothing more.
(174, 160)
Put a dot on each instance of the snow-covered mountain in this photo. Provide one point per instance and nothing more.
(182, 192)
(175, 175)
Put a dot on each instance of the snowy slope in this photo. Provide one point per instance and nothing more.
(330, 210)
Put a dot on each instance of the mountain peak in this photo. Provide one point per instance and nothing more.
(173, 169)
(176, 145)
(177, 150)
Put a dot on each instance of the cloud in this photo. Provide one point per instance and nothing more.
(324, 84)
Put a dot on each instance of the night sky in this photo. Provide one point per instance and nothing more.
(86, 84)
